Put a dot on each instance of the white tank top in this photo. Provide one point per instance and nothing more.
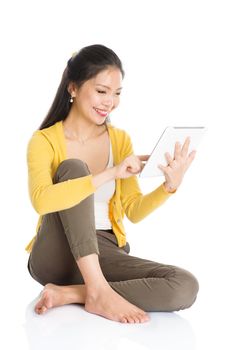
(102, 197)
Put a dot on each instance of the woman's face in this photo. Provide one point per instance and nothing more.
(98, 96)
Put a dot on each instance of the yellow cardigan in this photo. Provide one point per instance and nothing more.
(46, 149)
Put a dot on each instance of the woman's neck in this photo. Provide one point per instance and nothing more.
(79, 129)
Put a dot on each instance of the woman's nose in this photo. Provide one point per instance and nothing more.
(108, 102)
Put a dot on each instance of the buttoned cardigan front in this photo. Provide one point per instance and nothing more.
(46, 149)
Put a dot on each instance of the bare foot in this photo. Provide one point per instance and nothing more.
(106, 302)
(53, 295)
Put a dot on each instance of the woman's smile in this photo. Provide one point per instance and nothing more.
(101, 112)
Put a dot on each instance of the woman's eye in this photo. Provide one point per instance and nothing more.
(103, 92)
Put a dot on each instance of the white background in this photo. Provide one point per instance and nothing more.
(178, 57)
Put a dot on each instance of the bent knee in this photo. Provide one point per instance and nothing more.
(73, 164)
(186, 291)
(71, 169)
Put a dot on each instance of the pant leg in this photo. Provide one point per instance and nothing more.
(171, 289)
(147, 284)
(66, 235)
(150, 285)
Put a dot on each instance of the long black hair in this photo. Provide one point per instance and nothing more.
(82, 66)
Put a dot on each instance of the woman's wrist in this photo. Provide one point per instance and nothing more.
(168, 188)
(105, 176)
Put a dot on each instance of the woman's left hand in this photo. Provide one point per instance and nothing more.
(176, 168)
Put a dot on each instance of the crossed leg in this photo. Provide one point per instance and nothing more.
(147, 284)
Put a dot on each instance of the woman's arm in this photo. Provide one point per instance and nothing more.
(103, 177)
(45, 196)
(136, 205)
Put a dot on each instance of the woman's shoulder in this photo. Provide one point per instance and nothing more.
(48, 133)
(43, 138)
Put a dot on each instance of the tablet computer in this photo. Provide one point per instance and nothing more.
(166, 143)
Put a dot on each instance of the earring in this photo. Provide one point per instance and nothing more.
(71, 99)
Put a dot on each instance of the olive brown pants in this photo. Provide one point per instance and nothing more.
(67, 235)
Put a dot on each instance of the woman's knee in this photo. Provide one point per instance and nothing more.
(186, 290)
(70, 169)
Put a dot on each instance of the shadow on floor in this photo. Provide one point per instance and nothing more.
(72, 326)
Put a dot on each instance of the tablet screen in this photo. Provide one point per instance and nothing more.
(166, 143)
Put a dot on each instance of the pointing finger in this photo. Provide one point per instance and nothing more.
(144, 157)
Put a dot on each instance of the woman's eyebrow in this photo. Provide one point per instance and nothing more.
(109, 87)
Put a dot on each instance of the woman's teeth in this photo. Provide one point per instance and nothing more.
(100, 112)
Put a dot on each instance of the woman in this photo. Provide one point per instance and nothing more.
(82, 180)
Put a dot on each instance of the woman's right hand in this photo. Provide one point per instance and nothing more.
(130, 166)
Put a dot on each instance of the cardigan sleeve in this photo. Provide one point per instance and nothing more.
(45, 196)
(136, 205)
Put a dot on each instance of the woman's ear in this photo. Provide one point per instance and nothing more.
(71, 88)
